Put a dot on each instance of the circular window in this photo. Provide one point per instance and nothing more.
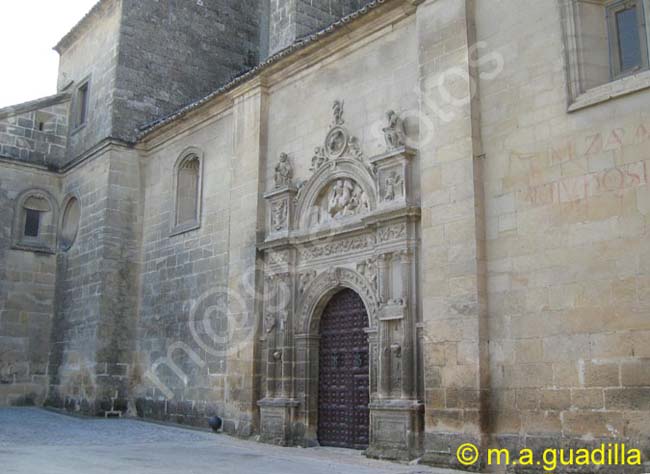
(70, 223)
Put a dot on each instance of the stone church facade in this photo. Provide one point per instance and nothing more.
(398, 225)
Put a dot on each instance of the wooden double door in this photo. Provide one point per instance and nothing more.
(343, 414)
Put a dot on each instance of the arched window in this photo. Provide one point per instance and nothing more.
(35, 222)
(187, 189)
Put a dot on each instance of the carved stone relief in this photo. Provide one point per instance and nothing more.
(334, 278)
(337, 111)
(346, 198)
(353, 211)
(355, 149)
(319, 159)
(338, 142)
(337, 247)
(278, 258)
(393, 186)
(279, 215)
(368, 269)
(305, 279)
(393, 232)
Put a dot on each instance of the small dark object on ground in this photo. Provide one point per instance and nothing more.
(215, 423)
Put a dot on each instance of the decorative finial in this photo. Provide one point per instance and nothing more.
(337, 109)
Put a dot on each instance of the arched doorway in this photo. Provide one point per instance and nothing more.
(343, 383)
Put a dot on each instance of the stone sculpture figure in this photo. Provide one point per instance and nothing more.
(283, 172)
(337, 110)
(355, 148)
(394, 131)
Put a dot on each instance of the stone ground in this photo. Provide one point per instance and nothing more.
(34, 441)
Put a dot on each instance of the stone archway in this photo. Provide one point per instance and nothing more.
(312, 307)
(344, 373)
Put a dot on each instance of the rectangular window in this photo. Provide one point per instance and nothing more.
(627, 37)
(32, 222)
(81, 105)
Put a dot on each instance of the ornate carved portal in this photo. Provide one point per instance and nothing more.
(351, 228)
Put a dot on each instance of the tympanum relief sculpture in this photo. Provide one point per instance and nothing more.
(345, 198)
(342, 198)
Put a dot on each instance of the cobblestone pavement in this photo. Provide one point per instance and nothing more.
(34, 441)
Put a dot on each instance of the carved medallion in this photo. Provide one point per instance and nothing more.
(336, 142)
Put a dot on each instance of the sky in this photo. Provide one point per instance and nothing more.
(29, 29)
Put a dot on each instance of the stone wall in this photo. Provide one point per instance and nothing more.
(292, 19)
(568, 247)
(174, 52)
(453, 275)
(92, 56)
(36, 132)
(146, 59)
(27, 281)
(182, 276)
(75, 329)
(94, 320)
(533, 256)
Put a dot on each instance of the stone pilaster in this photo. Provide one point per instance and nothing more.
(453, 285)
(245, 278)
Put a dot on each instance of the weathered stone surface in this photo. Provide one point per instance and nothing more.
(502, 253)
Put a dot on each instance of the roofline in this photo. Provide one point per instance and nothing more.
(34, 105)
(245, 76)
(76, 31)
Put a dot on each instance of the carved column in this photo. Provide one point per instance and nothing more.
(383, 337)
(408, 346)
(278, 408)
(373, 362)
